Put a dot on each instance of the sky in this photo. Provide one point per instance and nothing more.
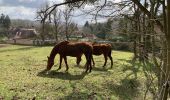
(26, 9)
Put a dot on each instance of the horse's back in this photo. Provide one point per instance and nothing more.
(74, 48)
(63, 43)
(99, 49)
(84, 46)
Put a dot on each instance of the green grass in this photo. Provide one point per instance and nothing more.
(22, 77)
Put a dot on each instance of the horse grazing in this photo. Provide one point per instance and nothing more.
(67, 48)
(99, 49)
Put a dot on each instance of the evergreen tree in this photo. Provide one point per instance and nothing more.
(86, 24)
(108, 25)
(7, 22)
(2, 19)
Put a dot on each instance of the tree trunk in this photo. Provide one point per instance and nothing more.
(43, 30)
(67, 32)
(166, 91)
(142, 8)
(164, 58)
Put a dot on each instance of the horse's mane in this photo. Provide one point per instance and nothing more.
(54, 50)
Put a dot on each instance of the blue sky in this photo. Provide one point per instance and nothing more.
(26, 9)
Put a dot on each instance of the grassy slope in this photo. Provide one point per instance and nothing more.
(22, 77)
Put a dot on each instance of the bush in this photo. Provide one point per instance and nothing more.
(125, 46)
(2, 38)
(39, 42)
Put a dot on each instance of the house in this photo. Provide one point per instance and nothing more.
(22, 33)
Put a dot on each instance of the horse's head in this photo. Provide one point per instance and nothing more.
(50, 63)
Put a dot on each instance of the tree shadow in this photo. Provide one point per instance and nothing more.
(100, 69)
(76, 96)
(128, 87)
(19, 49)
(132, 66)
(80, 96)
(61, 75)
(104, 69)
(126, 90)
(125, 60)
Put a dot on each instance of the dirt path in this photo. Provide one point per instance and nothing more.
(3, 45)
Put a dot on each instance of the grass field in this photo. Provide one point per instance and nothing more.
(22, 77)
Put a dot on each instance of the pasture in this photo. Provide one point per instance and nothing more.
(22, 77)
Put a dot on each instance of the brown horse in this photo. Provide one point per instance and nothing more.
(99, 49)
(67, 48)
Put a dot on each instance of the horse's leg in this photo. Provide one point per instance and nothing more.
(93, 61)
(78, 60)
(110, 56)
(65, 59)
(111, 60)
(60, 62)
(87, 63)
(105, 57)
(91, 58)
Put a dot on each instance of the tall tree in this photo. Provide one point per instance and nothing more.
(73, 27)
(41, 16)
(57, 22)
(86, 24)
(67, 18)
(2, 18)
(7, 22)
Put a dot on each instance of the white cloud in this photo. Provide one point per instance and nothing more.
(26, 0)
(56, 1)
(117, 1)
(19, 12)
(26, 9)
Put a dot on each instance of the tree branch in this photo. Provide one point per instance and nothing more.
(148, 13)
(49, 10)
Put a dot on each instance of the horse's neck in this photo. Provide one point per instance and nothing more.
(53, 53)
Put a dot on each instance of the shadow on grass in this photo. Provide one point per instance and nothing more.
(80, 96)
(61, 75)
(132, 66)
(93, 68)
(128, 87)
(127, 90)
(76, 96)
(19, 49)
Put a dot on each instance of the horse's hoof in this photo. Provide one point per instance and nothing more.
(58, 69)
(86, 71)
(66, 70)
(47, 73)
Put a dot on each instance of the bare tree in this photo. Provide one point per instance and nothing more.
(56, 14)
(73, 27)
(67, 18)
(41, 16)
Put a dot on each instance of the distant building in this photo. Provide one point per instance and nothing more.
(89, 36)
(23, 33)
